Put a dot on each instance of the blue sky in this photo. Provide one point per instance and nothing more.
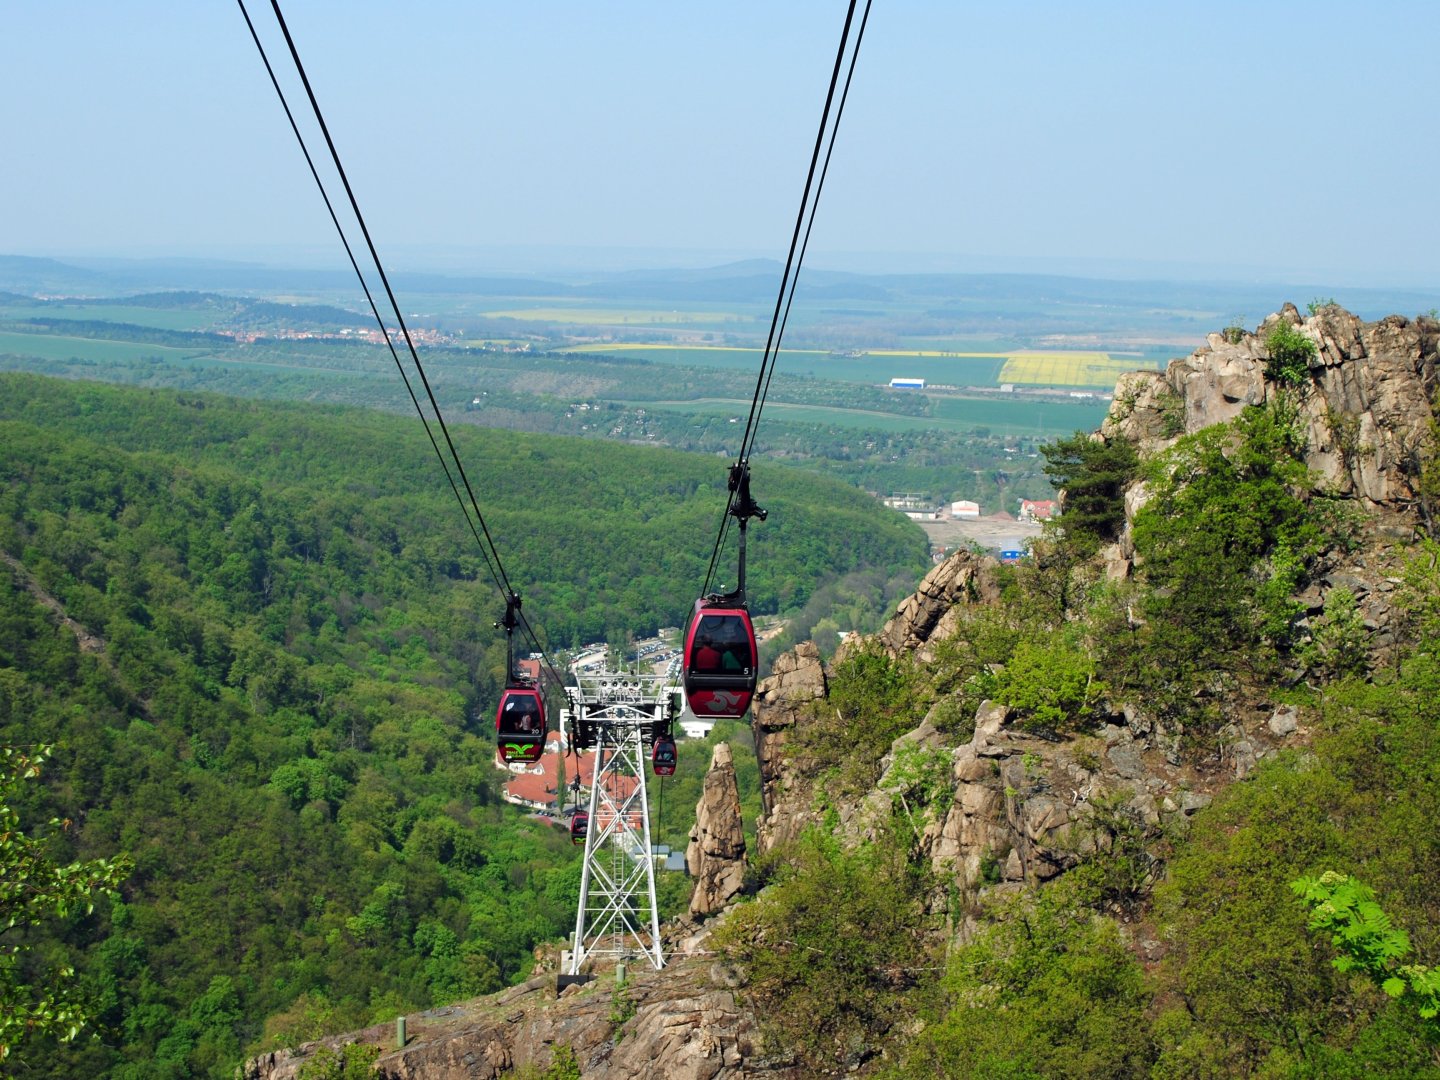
(1253, 140)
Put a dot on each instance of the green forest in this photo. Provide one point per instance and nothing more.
(270, 699)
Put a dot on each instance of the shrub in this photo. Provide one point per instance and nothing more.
(873, 698)
(1047, 991)
(1290, 355)
(1051, 684)
(831, 947)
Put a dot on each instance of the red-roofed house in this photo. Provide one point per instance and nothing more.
(538, 785)
(1037, 509)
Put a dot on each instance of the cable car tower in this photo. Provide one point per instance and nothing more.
(620, 715)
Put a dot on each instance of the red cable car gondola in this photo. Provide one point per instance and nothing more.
(520, 724)
(664, 756)
(579, 826)
(721, 660)
(520, 716)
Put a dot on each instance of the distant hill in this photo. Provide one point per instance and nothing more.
(29, 274)
(752, 281)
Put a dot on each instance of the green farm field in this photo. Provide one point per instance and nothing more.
(57, 347)
(1062, 368)
(1001, 416)
(601, 316)
(159, 318)
(957, 369)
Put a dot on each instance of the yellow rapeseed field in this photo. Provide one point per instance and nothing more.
(1065, 369)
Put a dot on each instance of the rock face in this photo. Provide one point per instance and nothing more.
(716, 855)
(1366, 406)
(668, 1025)
(932, 612)
(782, 702)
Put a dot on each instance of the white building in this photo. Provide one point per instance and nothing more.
(964, 508)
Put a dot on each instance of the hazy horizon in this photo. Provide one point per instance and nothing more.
(1282, 142)
(541, 261)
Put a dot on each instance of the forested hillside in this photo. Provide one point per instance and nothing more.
(271, 690)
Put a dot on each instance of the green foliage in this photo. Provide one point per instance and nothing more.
(285, 482)
(35, 888)
(1093, 475)
(1339, 645)
(1052, 684)
(1290, 353)
(622, 1006)
(1116, 867)
(1367, 941)
(829, 949)
(859, 601)
(1046, 990)
(355, 1061)
(1321, 304)
(1234, 331)
(1226, 541)
(563, 1065)
(920, 783)
(1246, 992)
(1420, 593)
(285, 717)
(873, 699)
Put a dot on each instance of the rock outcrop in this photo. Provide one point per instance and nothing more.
(716, 855)
(1366, 405)
(932, 613)
(675, 1024)
(781, 702)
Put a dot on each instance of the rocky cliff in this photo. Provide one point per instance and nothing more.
(1022, 805)
(1366, 404)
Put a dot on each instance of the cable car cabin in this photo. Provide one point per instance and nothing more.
(720, 661)
(579, 826)
(664, 756)
(520, 724)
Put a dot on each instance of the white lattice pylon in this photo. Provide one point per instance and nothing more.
(618, 915)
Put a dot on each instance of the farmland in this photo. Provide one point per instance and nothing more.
(60, 347)
(998, 416)
(638, 317)
(1060, 369)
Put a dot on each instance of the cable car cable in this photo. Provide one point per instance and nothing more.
(770, 355)
(810, 225)
(385, 281)
(487, 546)
(364, 286)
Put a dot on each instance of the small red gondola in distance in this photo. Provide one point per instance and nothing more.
(579, 826)
(721, 660)
(520, 724)
(664, 756)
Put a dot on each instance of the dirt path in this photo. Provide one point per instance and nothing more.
(88, 642)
